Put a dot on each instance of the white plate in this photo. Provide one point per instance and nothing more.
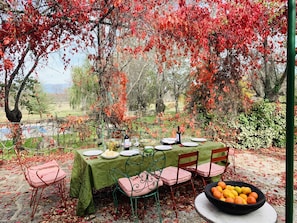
(190, 144)
(129, 152)
(148, 147)
(168, 140)
(199, 139)
(163, 147)
(106, 155)
(92, 153)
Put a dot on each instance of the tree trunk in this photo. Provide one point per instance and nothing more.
(14, 115)
(160, 106)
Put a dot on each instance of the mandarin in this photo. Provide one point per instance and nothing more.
(222, 184)
(213, 189)
(254, 194)
(251, 200)
(217, 194)
(229, 200)
(238, 200)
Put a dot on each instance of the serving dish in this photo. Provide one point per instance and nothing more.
(110, 154)
(232, 208)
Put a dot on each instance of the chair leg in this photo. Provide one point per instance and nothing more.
(135, 209)
(34, 201)
(35, 198)
(193, 187)
(115, 199)
(157, 199)
(173, 201)
(204, 181)
(133, 203)
(61, 188)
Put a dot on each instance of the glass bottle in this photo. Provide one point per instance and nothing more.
(178, 136)
(127, 142)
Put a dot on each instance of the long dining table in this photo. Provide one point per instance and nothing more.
(93, 173)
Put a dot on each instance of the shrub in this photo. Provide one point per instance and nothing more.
(263, 126)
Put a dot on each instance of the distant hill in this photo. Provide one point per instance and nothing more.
(55, 88)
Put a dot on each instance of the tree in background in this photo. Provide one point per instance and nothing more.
(84, 87)
(179, 79)
(141, 86)
(34, 99)
(221, 38)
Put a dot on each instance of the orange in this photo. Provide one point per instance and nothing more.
(238, 200)
(213, 189)
(222, 184)
(251, 200)
(229, 199)
(217, 194)
(254, 194)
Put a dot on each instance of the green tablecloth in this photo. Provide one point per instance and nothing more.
(88, 174)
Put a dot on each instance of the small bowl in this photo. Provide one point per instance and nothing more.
(148, 149)
(231, 208)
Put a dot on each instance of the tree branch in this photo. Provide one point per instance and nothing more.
(141, 73)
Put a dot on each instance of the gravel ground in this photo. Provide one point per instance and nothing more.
(264, 169)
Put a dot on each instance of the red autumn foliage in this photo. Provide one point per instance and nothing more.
(219, 38)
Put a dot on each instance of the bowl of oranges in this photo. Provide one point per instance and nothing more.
(234, 197)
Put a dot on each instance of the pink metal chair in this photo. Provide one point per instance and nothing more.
(181, 175)
(217, 165)
(140, 180)
(41, 176)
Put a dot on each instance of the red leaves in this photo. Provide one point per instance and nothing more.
(8, 65)
(6, 40)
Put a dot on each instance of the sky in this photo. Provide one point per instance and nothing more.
(54, 72)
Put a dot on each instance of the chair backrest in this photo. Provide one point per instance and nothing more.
(21, 155)
(157, 163)
(219, 156)
(134, 165)
(187, 161)
(152, 163)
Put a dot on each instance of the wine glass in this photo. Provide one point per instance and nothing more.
(135, 141)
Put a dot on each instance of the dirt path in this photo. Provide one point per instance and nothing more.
(264, 169)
